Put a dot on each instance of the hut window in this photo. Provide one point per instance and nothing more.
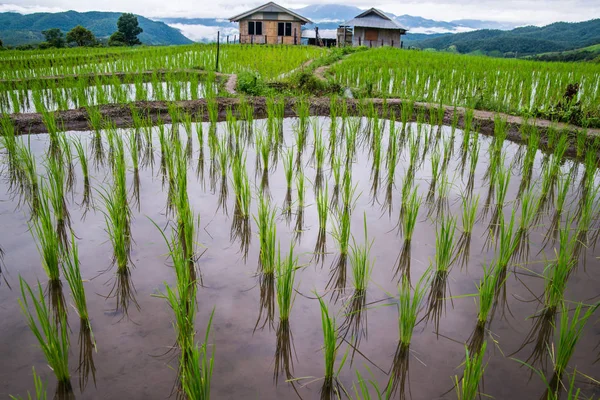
(371, 34)
(254, 28)
(284, 29)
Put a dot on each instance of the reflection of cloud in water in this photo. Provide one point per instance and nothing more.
(200, 33)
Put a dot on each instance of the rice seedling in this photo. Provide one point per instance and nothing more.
(31, 182)
(556, 275)
(332, 387)
(355, 321)
(267, 234)
(57, 197)
(134, 151)
(197, 372)
(87, 343)
(442, 203)
(376, 159)
(562, 189)
(319, 152)
(288, 167)
(86, 201)
(341, 235)
(10, 145)
(435, 172)
(66, 156)
(300, 191)
(263, 146)
(390, 163)
(468, 216)
(529, 159)
(467, 387)
(530, 203)
(409, 306)
(39, 391)
(336, 167)
(322, 211)
(409, 221)
(444, 257)
(501, 183)
(284, 353)
(506, 246)
(240, 227)
(50, 248)
(473, 161)
(53, 338)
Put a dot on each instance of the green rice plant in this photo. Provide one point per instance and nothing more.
(473, 161)
(533, 143)
(87, 343)
(501, 183)
(288, 167)
(530, 204)
(197, 372)
(562, 190)
(240, 228)
(588, 210)
(341, 235)
(322, 211)
(444, 258)
(134, 151)
(9, 143)
(40, 389)
(435, 172)
(267, 235)
(580, 142)
(468, 216)
(505, 248)
(300, 192)
(286, 273)
(442, 203)
(467, 387)
(53, 338)
(82, 156)
(331, 387)
(409, 306)
(263, 147)
(65, 155)
(556, 275)
(409, 221)
(361, 264)
(319, 152)
(57, 197)
(336, 168)
(30, 184)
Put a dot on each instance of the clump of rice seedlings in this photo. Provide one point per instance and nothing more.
(240, 227)
(331, 387)
(361, 264)
(390, 163)
(263, 146)
(284, 353)
(336, 167)
(473, 161)
(409, 306)
(52, 337)
(223, 154)
(376, 159)
(580, 142)
(468, 128)
(40, 389)
(501, 183)
(467, 387)
(117, 217)
(86, 201)
(134, 152)
(435, 172)
(50, 247)
(66, 156)
(300, 191)
(530, 204)
(533, 143)
(30, 182)
(341, 235)
(505, 248)
(301, 128)
(409, 221)
(406, 113)
(444, 257)
(562, 189)
(556, 275)
(197, 372)
(288, 167)
(588, 211)
(354, 126)
(8, 142)
(87, 343)
(322, 211)
(49, 120)
(319, 152)
(200, 165)
(267, 234)
(468, 215)
(442, 203)
(57, 196)
(486, 289)
(567, 335)
(187, 126)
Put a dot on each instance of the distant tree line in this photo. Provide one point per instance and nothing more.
(126, 34)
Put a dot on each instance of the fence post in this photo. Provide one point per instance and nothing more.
(392, 42)
(218, 40)
(252, 39)
(295, 37)
(266, 39)
(227, 39)
(359, 41)
(370, 43)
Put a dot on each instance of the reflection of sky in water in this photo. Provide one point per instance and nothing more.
(127, 350)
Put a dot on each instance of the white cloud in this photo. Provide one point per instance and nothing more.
(200, 33)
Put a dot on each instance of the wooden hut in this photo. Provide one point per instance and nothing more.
(373, 28)
(270, 24)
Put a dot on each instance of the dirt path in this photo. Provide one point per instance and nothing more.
(77, 120)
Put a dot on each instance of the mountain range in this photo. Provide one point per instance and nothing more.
(17, 29)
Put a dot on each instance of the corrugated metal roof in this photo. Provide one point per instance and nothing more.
(373, 18)
(270, 7)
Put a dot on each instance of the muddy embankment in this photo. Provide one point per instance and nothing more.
(483, 121)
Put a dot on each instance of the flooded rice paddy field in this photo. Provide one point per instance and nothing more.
(133, 358)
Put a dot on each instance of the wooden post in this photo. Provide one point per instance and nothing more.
(295, 37)
(218, 40)
(227, 39)
(265, 39)
(359, 41)
(392, 42)
(252, 39)
(370, 43)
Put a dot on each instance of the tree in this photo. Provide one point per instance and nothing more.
(128, 26)
(54, 38)
(1, 45)
(117, 39)
(81, 36)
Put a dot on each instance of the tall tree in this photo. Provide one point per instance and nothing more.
(81, 36)
(54, 38)
(128, 26)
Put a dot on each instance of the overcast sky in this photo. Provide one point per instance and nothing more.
(521, 11)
